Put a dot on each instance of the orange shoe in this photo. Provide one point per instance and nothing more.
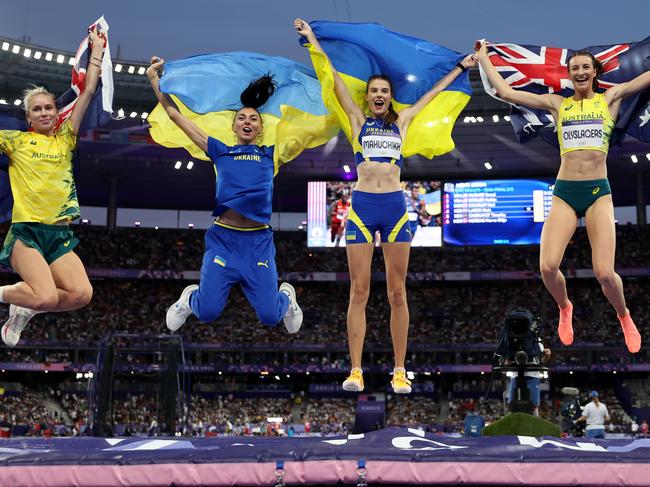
(565, 327)
(632, 335)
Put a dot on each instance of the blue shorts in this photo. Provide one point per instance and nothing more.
(245, 257)
(377, 212)
(533, 388)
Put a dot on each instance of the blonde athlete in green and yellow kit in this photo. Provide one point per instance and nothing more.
(39, 245)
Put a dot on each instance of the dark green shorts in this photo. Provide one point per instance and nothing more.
(52, 241)
(580, 195)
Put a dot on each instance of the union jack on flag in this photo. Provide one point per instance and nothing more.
(100, 109)
(543, 69)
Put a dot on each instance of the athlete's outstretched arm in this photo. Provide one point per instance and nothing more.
(190, 129)
(632, 87)
(352, 110)
(409, 113)
(507, 93)
(93, 72)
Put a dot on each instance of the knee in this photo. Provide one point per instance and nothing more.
(606, 276)
(207, 310)
(268, 317)
(548, 269)
(45, 301)
(82, 296)
(207, 313)
(397, 296)
(359, 292)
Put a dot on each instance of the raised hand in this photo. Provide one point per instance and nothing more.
(97, 41)
(155, 67)
(481, 48)
(470, 61)
(302, 27)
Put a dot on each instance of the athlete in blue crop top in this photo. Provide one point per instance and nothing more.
(378, 205)
(584, 122)
(239, 246)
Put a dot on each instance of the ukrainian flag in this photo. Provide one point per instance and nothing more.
(207, 89)
(359, 51)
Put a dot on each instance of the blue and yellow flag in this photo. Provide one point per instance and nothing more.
(207, 89)
(359, 51)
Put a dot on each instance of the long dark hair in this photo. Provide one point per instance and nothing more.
(598, 66)
(258, 92)
(391, 116)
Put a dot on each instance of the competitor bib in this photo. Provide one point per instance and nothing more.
(577, 134)
(381, 146)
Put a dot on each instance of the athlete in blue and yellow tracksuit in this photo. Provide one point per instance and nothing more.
(239, 246)
(237, 254)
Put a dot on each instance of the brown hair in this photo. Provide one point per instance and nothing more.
(598, 66)
(391, 116)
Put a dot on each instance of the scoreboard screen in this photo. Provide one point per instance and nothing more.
(495, 212)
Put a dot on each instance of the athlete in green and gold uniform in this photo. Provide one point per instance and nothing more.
(585, 122)
(39, 245)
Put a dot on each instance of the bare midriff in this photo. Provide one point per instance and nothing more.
(378, 177)
(235, 219)
(583, 165)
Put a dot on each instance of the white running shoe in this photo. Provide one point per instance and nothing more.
(178, 312)
(14, 326)
(354, 382)
(293, 316)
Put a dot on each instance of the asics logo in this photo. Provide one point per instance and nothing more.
(596, 190)
(263, 264)
(567, 108)
(66, 244)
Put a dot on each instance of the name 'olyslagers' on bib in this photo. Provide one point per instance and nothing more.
(584, 124)
(578, 134)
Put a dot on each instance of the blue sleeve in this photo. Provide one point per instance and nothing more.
(270, 149)
(216, 148)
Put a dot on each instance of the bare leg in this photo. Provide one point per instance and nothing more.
(556, 234)
(37, 291)
(359, 263)
(558, 229)
(71, 281)
(602, 237)
(396, 257)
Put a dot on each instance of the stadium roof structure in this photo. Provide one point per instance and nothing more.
(150, 176)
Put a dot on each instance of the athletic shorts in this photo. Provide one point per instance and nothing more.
(52, 241)
(377, 212)
(580, 195)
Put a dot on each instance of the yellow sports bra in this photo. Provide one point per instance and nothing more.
(584, 124)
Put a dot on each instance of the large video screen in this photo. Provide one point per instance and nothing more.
(329, 202)
(495, 212)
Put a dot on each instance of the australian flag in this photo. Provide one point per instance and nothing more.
(542, 69)
(99, 111)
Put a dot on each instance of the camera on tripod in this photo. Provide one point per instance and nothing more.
(519, 354)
